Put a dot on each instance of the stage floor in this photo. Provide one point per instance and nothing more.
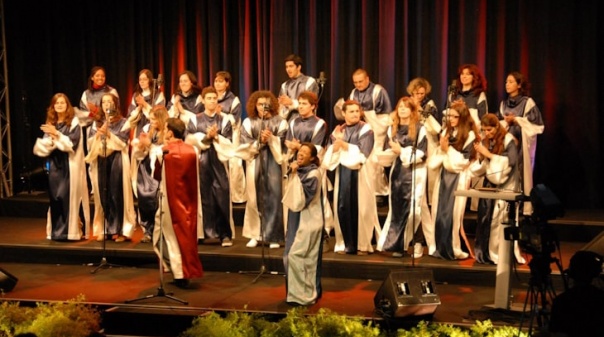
(57, 271)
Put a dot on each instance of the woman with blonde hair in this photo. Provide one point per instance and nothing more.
(405, 153)
(145, 187)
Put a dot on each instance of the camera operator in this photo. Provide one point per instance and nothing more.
(579, 310)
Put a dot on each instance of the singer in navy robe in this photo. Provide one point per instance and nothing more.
(110, 175)
(63, 149)
(376, 105)
(230, 104)
(262, 146)
(523, 120)
(405, 152)
(210, 132)
(146, 96)
(90, 103)
(144, 185)
(472, 90)
(292, 88)
(186, 102)
(453, 157)
(498, 164)
(355, 211)
(303, 245)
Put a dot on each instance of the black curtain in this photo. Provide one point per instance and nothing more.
(52, 45)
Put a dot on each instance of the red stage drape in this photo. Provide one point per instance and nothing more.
(51, 47)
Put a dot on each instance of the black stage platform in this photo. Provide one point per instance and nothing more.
(49, 271)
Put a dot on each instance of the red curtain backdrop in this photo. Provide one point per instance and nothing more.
(51, 47)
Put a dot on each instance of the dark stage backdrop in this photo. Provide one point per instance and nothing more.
(52, 45)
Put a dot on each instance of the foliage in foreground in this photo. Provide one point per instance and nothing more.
(75, 319)
(298, 323)
(72, 318)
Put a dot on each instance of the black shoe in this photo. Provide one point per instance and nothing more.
(182, 283)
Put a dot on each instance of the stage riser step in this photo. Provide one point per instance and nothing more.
(333, 268)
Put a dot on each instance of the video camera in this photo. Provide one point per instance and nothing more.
(534, 234)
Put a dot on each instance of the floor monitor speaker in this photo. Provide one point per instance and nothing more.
(7, 281)
(407, 292)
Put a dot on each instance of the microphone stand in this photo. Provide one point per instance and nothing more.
(160, 290)
(104, 264)
(260, 203)
(413, 188)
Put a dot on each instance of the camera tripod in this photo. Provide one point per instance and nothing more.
(540, 293)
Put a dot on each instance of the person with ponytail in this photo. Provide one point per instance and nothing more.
(497, 162)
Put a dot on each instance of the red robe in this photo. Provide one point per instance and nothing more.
(180, 177)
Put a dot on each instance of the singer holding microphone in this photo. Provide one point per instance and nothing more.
(498, 164)
(303, 244)
(62, 148)
(114, 216)
(405, 152)
(263, 148)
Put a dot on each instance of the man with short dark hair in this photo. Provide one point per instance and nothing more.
(211, 133)
(293, 87)
(178, 211)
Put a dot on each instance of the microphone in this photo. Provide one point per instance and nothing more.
(160, 80)
(453, 87)
(322, 79)
(289, 170)
(266, 107)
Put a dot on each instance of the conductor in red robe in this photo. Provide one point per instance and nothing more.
(177, 215)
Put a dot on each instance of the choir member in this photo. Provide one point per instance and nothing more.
(114, 215)
(497, 162)
(90, 103)
(405, 153)
(210, 132)
(471, 89)
(186, 102)
(178, 213)
(307, 127)
(230, 104)
(62, 148)
(453, 157)
(262, 146)
(419, 89)
(291, 89)
(355, 212)
(146, 96)
(145, 186)
(375, 102)
(303, 244)
(523, 120)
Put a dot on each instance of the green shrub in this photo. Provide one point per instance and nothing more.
(72, 318)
